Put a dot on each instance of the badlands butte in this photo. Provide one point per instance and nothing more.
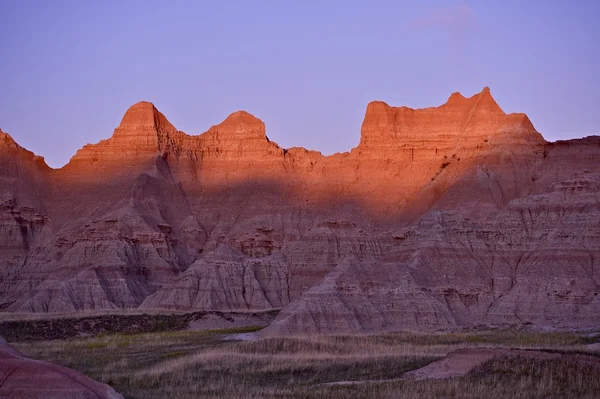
(458, 216)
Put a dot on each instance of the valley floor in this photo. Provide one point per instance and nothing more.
(205, 364)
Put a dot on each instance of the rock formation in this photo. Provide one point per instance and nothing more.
(25, 378)
(444, 217)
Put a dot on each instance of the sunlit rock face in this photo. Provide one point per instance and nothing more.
(440, 218)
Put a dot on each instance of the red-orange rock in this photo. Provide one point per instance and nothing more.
(441, 217)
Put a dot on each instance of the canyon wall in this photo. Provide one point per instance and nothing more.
(446, 217)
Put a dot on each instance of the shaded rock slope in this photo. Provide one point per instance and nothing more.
(453, 216)
(25, 378)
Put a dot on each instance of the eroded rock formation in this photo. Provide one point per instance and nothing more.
(443, 217)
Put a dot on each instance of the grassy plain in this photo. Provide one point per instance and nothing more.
(201, 364)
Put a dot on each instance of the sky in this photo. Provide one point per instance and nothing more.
(70, 69)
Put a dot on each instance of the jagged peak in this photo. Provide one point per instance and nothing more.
(241, 123)
(484, 98)
(143, 114)
(522, 120)
(7, 139)
(456, 98)
(385, 125)
(7, 142)
(242, 117)
(377, 104)
(146, 131)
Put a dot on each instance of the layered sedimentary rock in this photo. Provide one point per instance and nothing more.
(227, 280)
(534, 262)
(442, 217)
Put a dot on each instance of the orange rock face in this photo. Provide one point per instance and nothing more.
(442, 217)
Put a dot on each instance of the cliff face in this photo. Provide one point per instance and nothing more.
(440, 217)
(459, 123)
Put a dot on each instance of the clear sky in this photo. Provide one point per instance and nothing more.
(70, 69)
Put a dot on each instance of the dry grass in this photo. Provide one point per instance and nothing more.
(200, 364)
(505, 378)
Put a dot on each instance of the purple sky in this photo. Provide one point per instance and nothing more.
(70, 69)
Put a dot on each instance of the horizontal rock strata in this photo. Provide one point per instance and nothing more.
(440, 218)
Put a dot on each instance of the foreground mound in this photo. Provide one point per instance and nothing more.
(24, 378)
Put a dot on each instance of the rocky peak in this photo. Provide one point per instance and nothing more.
(4, 138)
(478, 116)
(240, 125)
(460, 122)
(9, 144)
(143, 117)
(140, 114)
(240, 136)
(485, 102)
(143, 132)
(457, 99)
